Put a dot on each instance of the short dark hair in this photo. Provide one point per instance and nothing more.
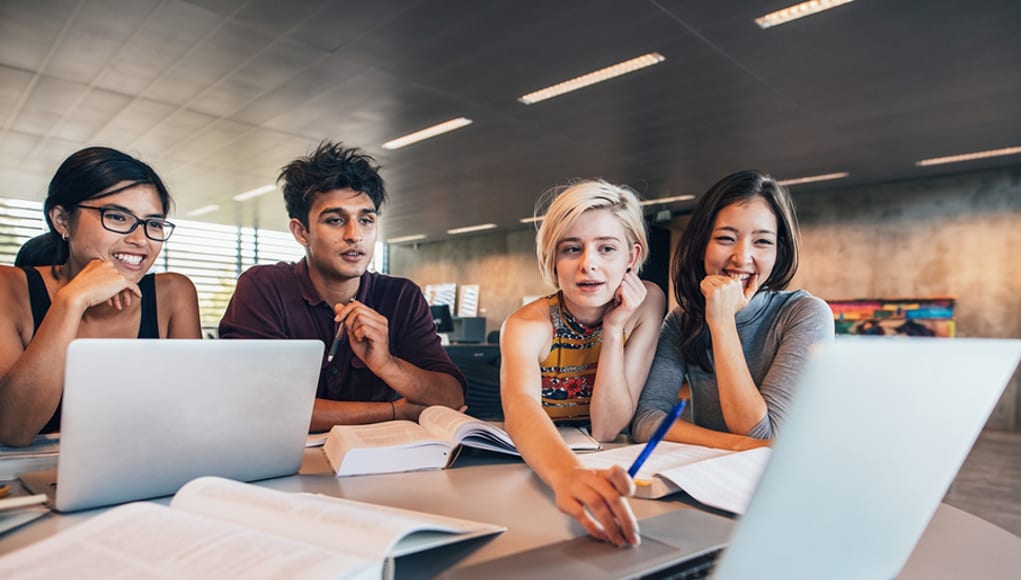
(331, 166)
(688, 268)
(87, 174)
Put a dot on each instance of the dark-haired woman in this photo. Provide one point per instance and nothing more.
(738, 338)
(86, 278)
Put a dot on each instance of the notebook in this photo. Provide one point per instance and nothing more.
(876, 433)
(143, 417)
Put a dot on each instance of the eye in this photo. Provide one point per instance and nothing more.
(367, 221)
(570, 250)
(333, 221)
(607, 249)
(765, 242)
(116, 216)
(724, 239)
(156, 225)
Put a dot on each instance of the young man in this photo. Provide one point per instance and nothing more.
(389, 363)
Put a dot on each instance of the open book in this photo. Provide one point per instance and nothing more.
(715, 477)
(432, 443)
(219, 528)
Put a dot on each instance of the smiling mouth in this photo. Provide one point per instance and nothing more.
(130, 259)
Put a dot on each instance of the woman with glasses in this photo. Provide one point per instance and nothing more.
(86, 278)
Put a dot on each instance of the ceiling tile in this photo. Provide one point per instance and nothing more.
(163, 39)
(28, 29)
(228, 48)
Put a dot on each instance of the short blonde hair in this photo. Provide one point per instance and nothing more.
(566, 206)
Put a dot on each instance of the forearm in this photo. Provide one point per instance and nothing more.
(613, 398)
(327, 413)
(537, 439)
(740, 401)
(685, 432)
(421, 386)
(30, 390)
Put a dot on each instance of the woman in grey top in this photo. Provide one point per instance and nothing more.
(737, 336)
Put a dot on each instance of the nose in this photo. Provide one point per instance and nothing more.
(588, 260)
(742, 253)
(137, 236)
(352, 232)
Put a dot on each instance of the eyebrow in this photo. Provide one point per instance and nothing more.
(733, 229)
(599, 239)
(342, 211)
(128, 211)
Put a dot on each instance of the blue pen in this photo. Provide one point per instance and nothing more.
(668, 422)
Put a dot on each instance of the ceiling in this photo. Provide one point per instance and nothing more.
(218, 95)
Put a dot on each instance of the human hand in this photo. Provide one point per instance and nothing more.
(596, 499)
(725, 296)
(368, 332)
(626, 300)
(98, 282)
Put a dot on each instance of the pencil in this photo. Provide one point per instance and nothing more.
(661, 432)
(337, 339)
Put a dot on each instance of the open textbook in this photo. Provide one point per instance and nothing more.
(715, 477)
(219, 528)
(432, 443)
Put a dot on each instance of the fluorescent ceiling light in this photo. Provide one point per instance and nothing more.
(603, 74)
(406, 239)
(477, 228)
(969, 156)
(533, 219)
(203, 210)
(667, 199)
(797, 11)
(813, 178)
(444, 127)
(255, 192)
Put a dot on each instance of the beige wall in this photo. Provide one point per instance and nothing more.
(957, 235)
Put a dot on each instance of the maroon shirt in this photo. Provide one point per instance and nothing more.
(279, 301)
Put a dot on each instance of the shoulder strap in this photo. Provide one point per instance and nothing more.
(38, 297)
(149, 325)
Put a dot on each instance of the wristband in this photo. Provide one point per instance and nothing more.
(393, 411)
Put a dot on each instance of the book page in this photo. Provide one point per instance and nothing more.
(333, 523)
(726, 482)
(666, 455)
(385, 434)
(458, 427)
(578, 439)
(146, 540)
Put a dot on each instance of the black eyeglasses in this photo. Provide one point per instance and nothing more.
(122, 222)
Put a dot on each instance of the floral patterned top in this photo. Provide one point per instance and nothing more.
(569, 371)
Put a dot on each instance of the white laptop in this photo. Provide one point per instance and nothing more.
(876, 433)
(141, 418)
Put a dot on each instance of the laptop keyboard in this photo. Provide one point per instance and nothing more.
(698, 567)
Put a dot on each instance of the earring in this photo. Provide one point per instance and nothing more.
(63, 236)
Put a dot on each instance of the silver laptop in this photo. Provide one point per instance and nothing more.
(876, 433)
(142, 417)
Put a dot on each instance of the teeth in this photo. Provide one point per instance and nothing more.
(132, 259)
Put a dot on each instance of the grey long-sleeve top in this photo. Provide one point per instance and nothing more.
(776, 330)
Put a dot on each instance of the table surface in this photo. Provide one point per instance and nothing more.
(490, 488)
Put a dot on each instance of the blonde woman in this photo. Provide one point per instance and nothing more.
(590, 246)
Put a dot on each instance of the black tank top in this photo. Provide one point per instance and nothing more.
(39, 300)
